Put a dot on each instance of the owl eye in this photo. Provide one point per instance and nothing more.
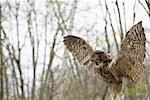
(92, 60)
(96, 63)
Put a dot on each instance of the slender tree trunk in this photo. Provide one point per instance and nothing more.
(112, 27)
(1, 58)
(120, 22)
(6, 82)
(18, 59)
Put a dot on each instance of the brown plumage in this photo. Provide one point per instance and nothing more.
(128, 63)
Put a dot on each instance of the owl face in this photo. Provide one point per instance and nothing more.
(97, 58)
(101, 58)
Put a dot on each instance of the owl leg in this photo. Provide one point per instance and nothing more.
(115, 90)
(113, 97)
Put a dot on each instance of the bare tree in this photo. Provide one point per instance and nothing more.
(1, 57)
(34, 63)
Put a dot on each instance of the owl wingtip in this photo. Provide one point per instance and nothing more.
(69, 36)
(66, 37)
(140, 22)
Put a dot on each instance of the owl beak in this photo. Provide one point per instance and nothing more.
(109, 56)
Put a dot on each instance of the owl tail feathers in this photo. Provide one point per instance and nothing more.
(115, 90)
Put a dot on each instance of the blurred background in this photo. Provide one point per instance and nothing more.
(34, 64)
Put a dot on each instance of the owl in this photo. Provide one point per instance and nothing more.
(127, 64)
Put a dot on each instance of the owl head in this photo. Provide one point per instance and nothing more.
(101, 58)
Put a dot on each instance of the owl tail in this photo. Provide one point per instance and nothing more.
(115, 90)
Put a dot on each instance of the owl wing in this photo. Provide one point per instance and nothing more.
(80, 49)
(130, 58)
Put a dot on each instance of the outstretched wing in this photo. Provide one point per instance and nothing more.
(130, 58)
(80, 49)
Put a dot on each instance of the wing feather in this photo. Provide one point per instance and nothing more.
(130, 58)
(80, 49)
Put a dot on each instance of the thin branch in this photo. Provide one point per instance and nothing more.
(134, 12)
(148, 3)
(106, 36)
(18, 60)
(112, 28)
(124, 13)
(1, 57)
(119, 15)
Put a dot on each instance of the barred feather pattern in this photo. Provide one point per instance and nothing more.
(128, 63)
(130, 58)
(80, 49)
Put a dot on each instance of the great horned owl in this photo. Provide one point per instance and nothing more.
(128, 63)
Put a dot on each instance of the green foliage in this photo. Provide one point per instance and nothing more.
(137, 89)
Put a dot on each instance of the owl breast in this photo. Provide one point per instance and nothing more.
(100, 65)
(106, 75)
